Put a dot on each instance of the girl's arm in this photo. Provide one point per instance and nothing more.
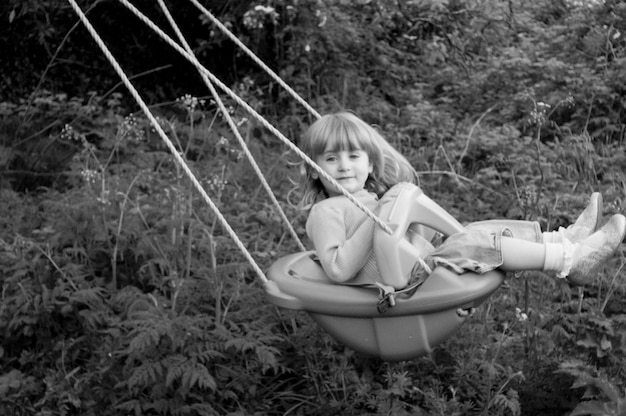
(341, 257)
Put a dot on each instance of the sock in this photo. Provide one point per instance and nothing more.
(555, 258)
(553, 236)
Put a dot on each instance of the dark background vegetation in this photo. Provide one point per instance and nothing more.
(122, 295)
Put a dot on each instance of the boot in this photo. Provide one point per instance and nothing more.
(586, 224)
(586, 256)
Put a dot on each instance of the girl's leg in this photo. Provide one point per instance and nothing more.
(480, 251)
(576, 261)
(518, 255)
(585, 225)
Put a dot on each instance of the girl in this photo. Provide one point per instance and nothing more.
(356, 156)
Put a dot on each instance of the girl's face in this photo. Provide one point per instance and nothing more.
(350, 168)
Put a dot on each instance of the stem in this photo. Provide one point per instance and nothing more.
(612, 286)
(469, 136)
(119, 233)
(56, 266)
(541, 177)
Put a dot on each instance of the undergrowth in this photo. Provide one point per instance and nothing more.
(122, 295)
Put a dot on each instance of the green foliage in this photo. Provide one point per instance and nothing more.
(601, 396)
(120, 293)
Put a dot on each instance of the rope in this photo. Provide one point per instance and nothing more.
(255, 58)
(233, 127)
(166, 140)
(191, 58)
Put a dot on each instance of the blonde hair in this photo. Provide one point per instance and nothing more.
(346, 131)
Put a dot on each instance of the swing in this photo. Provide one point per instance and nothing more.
(417, 319)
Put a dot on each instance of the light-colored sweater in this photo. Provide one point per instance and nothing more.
(343, 237)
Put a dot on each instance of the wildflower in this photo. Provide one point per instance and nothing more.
(521, 316)
(235, 155)
(189, 102)
(256, 18)
(68, 133)
(130, 129)
(104, 197)
(216, 183)
(222, 142)
(230, 109)
(90, 175)
(528, 196)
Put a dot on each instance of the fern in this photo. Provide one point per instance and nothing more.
(197, 374)
(604, 397)
(176, 366)
(143, 376)
(508, 402)
(145, 340)
(595, 408)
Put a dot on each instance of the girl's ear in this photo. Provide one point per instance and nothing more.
(371, 168)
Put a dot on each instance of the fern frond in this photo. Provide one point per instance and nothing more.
(508, 401)
(145, 376)
(197, 374)
(176, 366)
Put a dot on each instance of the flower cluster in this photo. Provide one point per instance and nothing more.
(190, 103)
(90, 175)
(230, 109)
(528, 196)
(69, 133)
(130, 129)
(223, 145)
(538, 113)
(216, 183)
(256, 17)
(521, 316)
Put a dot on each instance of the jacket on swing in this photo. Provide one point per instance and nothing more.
(343, 237)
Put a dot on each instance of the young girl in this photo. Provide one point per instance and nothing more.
(357, 157)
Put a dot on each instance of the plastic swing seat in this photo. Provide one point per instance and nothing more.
(417, 322)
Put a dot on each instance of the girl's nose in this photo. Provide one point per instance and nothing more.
(344, 163)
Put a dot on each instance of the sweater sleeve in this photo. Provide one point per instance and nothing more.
(341, 257)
